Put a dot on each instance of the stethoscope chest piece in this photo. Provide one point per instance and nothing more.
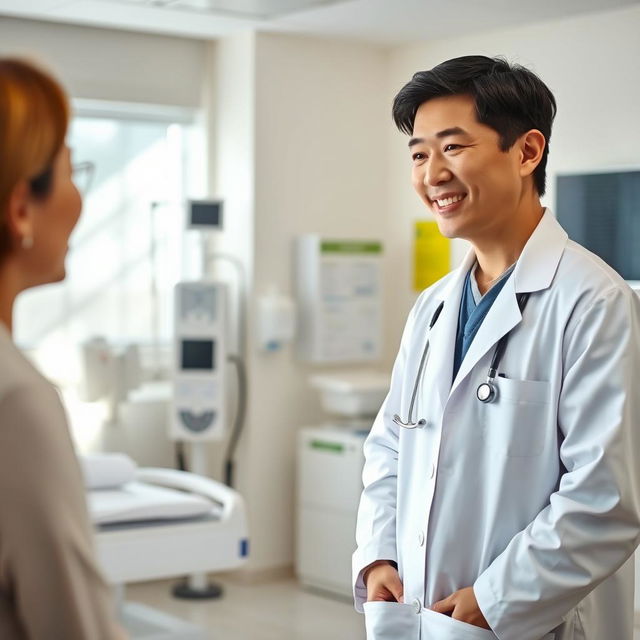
(486, 392)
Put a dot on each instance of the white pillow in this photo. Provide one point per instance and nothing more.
(107, 470)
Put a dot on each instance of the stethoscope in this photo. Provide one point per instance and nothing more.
(486, 391)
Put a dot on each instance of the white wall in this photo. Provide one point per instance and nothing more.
(588, 62)
(112, 65)
(320, 121)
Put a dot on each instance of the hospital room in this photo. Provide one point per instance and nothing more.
(319, 319)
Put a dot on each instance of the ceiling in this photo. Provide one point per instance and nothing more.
(385, 22)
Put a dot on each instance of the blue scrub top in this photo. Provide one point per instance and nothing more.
(473, 310)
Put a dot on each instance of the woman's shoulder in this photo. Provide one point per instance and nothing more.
(18, 374)
(31, 413)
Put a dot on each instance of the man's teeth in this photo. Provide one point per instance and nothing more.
(447, 201)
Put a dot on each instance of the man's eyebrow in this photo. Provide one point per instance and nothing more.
(451, 131)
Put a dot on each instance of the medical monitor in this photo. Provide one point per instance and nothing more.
(205, 214)
(601, 211)
(198, 355)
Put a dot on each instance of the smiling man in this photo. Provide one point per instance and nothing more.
(502, 491)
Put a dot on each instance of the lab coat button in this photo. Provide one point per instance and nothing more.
(421, 538)
(417, 605)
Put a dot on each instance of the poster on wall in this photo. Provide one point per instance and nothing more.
(431, 254)
(339, 292)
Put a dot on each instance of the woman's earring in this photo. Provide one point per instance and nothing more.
(27, 242)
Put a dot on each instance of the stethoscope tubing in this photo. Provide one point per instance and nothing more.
(486, 391)
(425, 352)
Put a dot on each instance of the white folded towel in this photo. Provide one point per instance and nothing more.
(107, 470)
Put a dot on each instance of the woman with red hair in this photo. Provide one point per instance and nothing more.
(50, 584)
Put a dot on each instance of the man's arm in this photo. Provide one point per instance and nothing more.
(591, 525)
(376, 528)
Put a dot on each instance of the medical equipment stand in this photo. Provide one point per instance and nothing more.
(198, 401)
(197, 586)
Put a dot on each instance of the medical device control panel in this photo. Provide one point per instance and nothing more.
(198, 403)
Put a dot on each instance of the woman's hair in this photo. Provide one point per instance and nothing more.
(34, 116)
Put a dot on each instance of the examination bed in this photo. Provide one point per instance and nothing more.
(161, 523)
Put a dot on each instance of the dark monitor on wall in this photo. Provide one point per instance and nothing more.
(205, 214)
(601, 211)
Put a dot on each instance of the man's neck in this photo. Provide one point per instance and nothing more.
(497, 253)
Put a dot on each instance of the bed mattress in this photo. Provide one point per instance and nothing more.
(139, 502)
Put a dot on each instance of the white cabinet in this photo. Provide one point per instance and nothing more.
(329, 482)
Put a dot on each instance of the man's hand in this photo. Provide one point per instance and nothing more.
(383, 582)
(462, 605)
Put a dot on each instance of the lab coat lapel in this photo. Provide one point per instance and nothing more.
(503, 316)
(534, 271)
(443, 335)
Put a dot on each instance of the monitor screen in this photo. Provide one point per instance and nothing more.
(601, 211)
(206, 213)
(198, 354)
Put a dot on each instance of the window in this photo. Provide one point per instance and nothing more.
(127, 251)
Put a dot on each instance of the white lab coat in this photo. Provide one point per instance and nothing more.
(534, 499)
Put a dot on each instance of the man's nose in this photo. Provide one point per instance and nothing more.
(436, 172)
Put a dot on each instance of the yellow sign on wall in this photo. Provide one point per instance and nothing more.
(432, 255)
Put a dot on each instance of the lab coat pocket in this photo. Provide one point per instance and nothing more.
(437, 626)
(517, 420)
(391, 621)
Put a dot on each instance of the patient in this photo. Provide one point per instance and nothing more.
(50, 584)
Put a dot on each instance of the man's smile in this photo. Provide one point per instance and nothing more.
(447, 201)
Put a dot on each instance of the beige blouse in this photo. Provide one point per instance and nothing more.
(50, 584)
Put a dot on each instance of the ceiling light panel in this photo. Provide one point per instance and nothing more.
(250, 9)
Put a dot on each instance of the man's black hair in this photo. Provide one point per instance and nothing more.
(508, 97)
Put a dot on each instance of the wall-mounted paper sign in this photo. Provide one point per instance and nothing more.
(339, 287)
(432, 255)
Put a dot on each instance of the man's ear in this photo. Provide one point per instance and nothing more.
(19, 213)
(532, 146)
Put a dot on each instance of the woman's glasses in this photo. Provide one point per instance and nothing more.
(83, 175)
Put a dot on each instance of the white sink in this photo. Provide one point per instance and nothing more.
(356, 393)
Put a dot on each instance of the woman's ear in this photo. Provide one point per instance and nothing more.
(19, 214)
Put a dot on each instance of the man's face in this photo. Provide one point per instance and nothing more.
(471, 186)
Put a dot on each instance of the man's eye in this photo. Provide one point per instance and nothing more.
(452, 147)
(418, 156)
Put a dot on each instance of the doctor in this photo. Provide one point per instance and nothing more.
(502, 475)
